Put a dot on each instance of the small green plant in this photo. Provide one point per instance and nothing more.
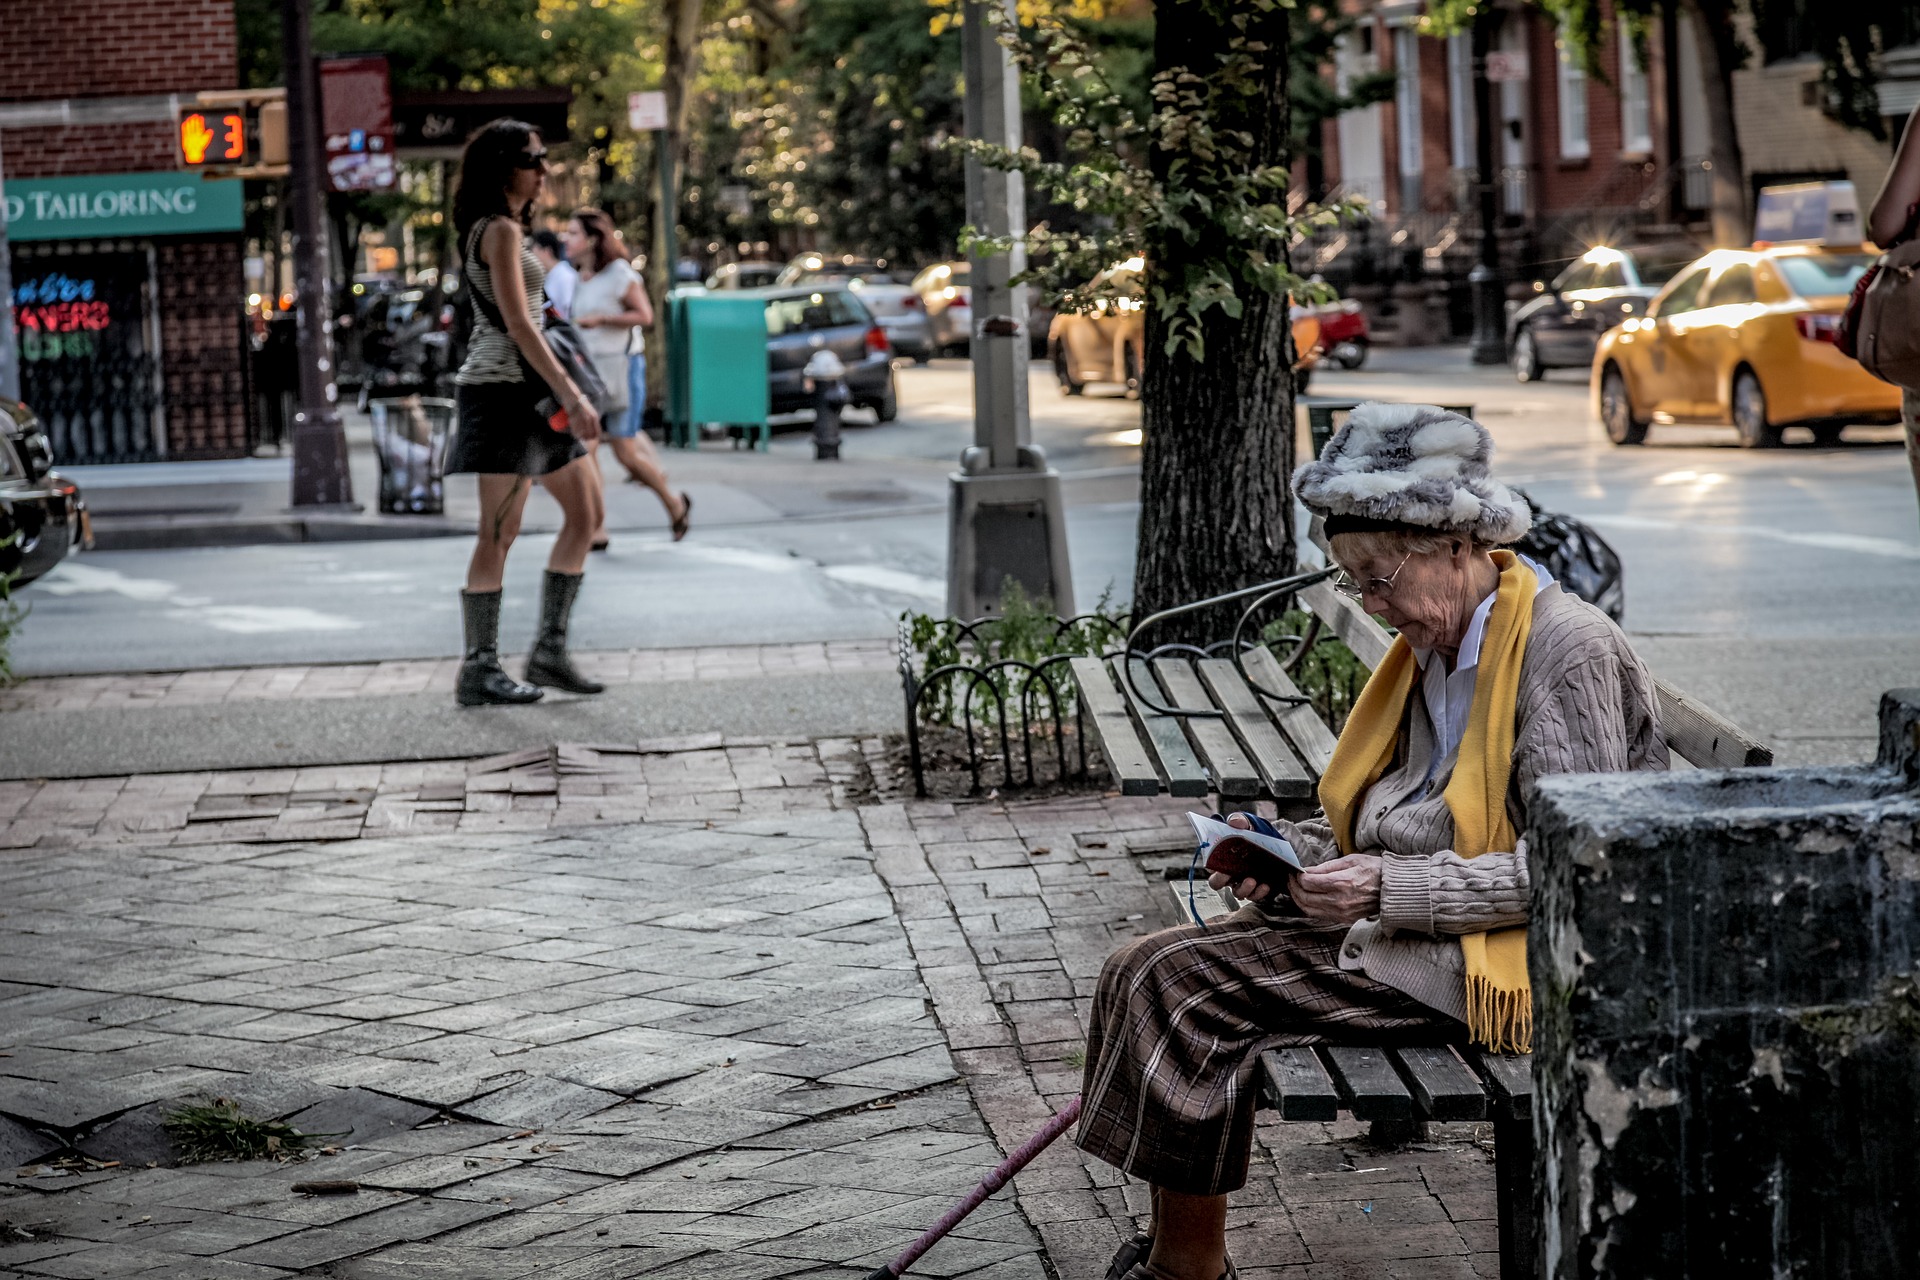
(217, 1131)
(1026, 630)
(12, 614)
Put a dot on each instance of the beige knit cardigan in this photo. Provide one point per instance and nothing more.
(1586, 705)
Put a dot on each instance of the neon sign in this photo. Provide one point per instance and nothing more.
(58, 316)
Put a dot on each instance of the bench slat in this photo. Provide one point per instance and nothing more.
(1443, 1086)
(1509, 1078)
(1286, 778)
(1346, 619)
(1233, 774)
(1310, 735)
(1297, 1086)
(1209, 903)
(1705, 738)
(1178, 764)
(1373, 1090)
(1132, 768)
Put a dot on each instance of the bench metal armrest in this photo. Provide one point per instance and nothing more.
(1264, 593)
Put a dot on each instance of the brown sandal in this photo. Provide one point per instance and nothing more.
(682, 520)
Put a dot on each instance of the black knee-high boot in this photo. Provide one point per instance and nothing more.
(483, 681)
(549, 664)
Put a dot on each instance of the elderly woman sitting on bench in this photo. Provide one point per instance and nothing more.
(1409, 922)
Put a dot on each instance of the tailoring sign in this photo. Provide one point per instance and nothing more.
(120, 204)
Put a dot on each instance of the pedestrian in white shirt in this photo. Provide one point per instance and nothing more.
(561, 277)
(610, 306)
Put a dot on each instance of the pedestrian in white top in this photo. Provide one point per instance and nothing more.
(561, 277)
(610, 306)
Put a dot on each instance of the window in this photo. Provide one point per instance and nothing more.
(1636, 128)
(1684, 295)
(1574, 278)
(1406, 109)
(1733, 288)
(1573, 101)
(1460, 100)
(1828, 273)
(1609, 275)
(828, 309)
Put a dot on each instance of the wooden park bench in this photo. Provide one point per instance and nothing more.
(1231, 722)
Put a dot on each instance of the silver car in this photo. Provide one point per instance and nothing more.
(894, 304)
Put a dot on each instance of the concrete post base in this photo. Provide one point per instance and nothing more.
(1006, 524)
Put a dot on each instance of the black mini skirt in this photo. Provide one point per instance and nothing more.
(501, 433)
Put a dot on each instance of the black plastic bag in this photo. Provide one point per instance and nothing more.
(1577, 556)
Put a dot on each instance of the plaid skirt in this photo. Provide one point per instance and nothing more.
(1178, 1025)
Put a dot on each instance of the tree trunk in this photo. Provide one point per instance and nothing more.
(683, 36)
(1719, 56)
(1216, 499)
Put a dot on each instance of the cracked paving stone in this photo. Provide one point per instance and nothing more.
(359, 1115)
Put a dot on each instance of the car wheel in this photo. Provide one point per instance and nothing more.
(920, 361)
(1827, 434)
(1616, 410)
(1302, 375)
(1063, 374)
(1526, 357)
(1750, 412)
(887, 408)
(1130, 371)
(1351, 355)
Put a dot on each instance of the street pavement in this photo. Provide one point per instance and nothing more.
(1779, 586)
(712, 1012)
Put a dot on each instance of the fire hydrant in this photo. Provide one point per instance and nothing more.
(826, 379)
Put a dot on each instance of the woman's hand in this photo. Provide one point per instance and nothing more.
(1340, 891)
(583, 420)
(588, 322)
(1248, 890)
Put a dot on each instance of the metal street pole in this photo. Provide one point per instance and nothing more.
(1006, 517)
(669, 211)
(1489, 301)
(9, 352)
(320, 474)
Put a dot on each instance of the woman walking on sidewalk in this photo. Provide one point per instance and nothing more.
(610, 305)
(521, 419)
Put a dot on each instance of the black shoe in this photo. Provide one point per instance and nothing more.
(483, 681)
(549, 664)
(1133, 1251)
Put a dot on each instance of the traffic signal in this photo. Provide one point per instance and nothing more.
(212, 137)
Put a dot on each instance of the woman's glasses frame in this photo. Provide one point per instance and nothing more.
(1346, 585)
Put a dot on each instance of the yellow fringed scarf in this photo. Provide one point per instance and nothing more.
(1499, 998)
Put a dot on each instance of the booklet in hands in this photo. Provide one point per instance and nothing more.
(1241, 855)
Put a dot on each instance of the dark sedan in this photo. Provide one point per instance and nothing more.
(1559, 328)
(43, 519)
(811, 318)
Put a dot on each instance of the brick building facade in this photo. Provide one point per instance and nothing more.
(178, 359)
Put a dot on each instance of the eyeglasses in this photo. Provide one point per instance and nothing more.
(1343, 582)
(530, 160)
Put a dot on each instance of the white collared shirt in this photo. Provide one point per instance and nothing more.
(1449, 694)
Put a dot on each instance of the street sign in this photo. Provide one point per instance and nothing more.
(1508, 66)
(212, 137)
(357, 123)
(647, 110)
(96, 206)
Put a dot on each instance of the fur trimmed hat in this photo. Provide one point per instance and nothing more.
(1414, 464)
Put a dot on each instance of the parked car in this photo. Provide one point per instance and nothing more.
(745, 275)
(893, 303)
(43, 518)
(1559, 327)
(1744, 337)
(808, 318)
(1108, 342)
(1344, 335)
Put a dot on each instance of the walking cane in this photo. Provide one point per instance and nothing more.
(1002, 1174)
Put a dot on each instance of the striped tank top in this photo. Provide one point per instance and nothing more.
(491, 354)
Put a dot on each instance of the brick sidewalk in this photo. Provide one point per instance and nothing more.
(674, 1010)
(364, 679)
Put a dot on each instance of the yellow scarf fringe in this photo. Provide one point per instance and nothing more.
(1499, 995)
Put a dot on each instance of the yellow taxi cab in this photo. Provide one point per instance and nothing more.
(1744, 337)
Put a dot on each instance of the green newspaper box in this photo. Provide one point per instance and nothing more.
(716, 366)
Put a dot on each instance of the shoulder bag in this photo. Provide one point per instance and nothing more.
(563, 340)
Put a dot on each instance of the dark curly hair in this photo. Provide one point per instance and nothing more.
(486, 167)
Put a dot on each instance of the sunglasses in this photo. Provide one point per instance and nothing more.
(530, 160)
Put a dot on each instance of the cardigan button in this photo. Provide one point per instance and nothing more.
(1353, 951)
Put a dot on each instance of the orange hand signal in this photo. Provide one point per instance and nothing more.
(195, 138)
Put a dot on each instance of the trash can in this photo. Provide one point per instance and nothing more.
(410, 436)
